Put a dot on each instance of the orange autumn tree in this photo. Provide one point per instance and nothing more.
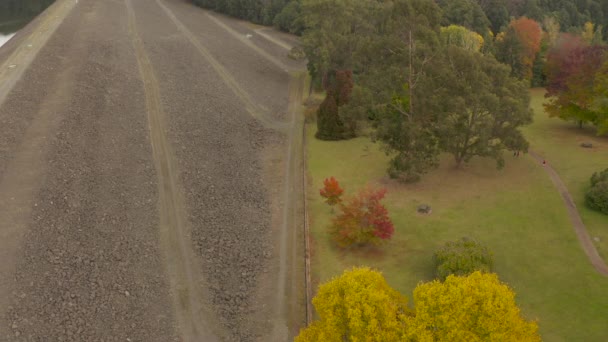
(331, 191)
(363, 219)
(519, 45)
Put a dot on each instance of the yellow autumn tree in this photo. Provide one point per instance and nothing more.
(477, 307)
(592, 34)
(358, 306)
(462, 37)
(588, 32)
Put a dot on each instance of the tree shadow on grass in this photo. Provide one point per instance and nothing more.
(371, 253)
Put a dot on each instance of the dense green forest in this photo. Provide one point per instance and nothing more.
(478, 15)
(284, 14)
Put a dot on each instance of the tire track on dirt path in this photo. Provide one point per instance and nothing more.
(247, 42)
(258, 113)
(577, 223)
(285, 306)
(196, 323)
(278, 42)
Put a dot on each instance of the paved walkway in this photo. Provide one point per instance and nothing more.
(575, 218)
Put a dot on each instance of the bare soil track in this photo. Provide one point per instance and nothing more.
(149, 177)
(577, 222)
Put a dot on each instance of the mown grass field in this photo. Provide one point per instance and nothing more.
(514, 211)
(559, 142)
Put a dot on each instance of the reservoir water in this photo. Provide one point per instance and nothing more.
(15, 14)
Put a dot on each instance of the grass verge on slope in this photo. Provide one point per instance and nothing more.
(516, 212)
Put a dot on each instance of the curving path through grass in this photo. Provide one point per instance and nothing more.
(577, 223)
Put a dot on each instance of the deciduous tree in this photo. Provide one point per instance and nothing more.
(483, 107)
(362, 219)
(519, 45)
(357, 306)
(402, 85)
(477, 307)
(575, 76)
(410, 139)
(460, 36)
(600, 101)
(360, 306)
(331, 191)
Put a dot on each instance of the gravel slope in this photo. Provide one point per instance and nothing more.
(90, 266)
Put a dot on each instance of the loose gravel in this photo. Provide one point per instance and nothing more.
(90, 266)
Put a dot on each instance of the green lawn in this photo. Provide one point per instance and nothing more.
(559, 142)
(515, 211)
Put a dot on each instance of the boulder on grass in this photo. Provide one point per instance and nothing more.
(587, 145)
(424, 209)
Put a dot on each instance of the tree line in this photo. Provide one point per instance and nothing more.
(284, 14)
(434, 77)
(479, 15)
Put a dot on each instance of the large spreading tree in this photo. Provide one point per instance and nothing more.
(400, 81)
(483, 107)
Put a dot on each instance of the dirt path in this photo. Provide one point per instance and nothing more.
(577, 223)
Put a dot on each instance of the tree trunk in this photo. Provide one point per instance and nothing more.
(411, 76)
(458, 158)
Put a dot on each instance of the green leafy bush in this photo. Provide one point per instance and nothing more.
(599, 177)
(597, 196)
(462, 258)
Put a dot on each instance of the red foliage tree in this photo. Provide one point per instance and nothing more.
(362, 220)
(572, 69)
(529, 34)
(563, 60)
(331, 191)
